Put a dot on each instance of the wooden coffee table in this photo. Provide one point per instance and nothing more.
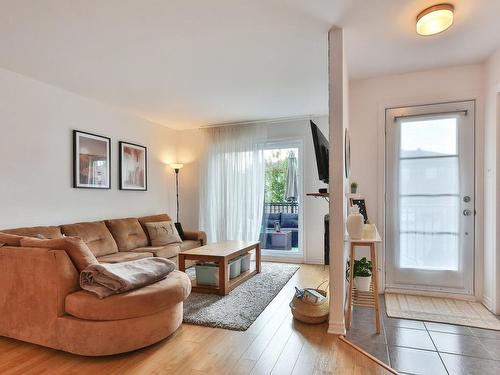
(222, 253)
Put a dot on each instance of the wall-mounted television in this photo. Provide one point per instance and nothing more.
(321, 147)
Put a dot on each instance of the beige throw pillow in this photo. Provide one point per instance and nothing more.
(163, 233)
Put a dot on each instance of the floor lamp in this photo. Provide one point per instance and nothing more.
(176, 168)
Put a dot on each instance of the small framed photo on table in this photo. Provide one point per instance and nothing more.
(361, 203)
(91, 161)
(133, 167)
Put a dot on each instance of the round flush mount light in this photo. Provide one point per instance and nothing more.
(435, 19)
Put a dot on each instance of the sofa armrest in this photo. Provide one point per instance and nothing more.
(35, 282)
(196, 236)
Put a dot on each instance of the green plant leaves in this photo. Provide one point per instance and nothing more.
(362, 267)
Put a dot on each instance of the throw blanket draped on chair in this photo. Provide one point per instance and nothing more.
(107, 279)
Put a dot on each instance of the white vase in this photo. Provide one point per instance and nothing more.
(355, 223)
(362, 283)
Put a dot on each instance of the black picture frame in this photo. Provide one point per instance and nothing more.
(361, 203)
(78, 155)
(124, 185)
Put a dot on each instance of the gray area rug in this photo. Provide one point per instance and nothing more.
(239, 309)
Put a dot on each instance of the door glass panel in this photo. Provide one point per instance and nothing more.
(429, 200)
(429, 136)
(280, 231)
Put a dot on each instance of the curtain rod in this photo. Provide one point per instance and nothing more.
(277, 120)
(464, 111)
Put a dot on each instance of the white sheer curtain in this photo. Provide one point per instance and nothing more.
(232, 183)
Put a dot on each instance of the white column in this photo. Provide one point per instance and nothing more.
(338, 110)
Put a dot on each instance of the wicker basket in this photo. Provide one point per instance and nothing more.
(308, 312)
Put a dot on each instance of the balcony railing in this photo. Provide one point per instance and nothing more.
(281, 207)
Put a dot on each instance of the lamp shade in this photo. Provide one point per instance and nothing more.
(176, 166)
(435, 19)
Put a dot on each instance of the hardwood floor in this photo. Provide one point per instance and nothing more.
(274, 344)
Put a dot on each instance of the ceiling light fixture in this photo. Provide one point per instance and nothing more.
(435, 19)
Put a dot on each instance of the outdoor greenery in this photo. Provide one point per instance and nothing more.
(275, 181)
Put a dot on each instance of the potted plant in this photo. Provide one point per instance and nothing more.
(362, 274)
(354, 187)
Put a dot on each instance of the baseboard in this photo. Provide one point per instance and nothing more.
(294, 260)
(427, 293)
(336, 328)
(488, 303)
(319, 261)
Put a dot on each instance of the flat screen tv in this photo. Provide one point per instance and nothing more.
(321, 147)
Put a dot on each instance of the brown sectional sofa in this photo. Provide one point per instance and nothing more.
(41, 300)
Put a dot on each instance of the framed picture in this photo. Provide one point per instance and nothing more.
(91, 161)
(360, 202)
(133, 167)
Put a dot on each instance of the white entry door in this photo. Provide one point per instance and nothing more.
(430, 197)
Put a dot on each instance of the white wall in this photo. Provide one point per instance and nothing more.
(191, 148)
(491, 193)
(36, 123)
(368, 100)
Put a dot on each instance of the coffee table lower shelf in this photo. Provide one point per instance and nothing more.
(222, 253)
(233, 283)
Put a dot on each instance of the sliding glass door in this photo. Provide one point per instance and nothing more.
(430, 197)
(281, 233)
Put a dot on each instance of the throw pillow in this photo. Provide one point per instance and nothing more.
(163, 233)
(10, 239)
(77, 250)
(178, 226)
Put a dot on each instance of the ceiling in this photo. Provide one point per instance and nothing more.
(188, 63)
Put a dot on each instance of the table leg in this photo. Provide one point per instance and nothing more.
(351, 279)
(373, 255)
(182, 262)
(223, 277)
(257, 258)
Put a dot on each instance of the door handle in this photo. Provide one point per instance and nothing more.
(467, 212)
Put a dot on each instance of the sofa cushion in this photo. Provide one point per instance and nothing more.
(10, 239)
(77, 250)
(180, 230)
(167, 251)
(163, 233)
(148, 300)
(123, 256)
(152, 219)
(189, 244)
(198, 236)
(95, 234)
(128, 233)
(47, 232)
(270, 218)
(289, 220)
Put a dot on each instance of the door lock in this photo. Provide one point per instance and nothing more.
(466, 199)
(467, 212)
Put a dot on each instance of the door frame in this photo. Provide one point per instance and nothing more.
(433, 98)
(424, 111)
(285, 255)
